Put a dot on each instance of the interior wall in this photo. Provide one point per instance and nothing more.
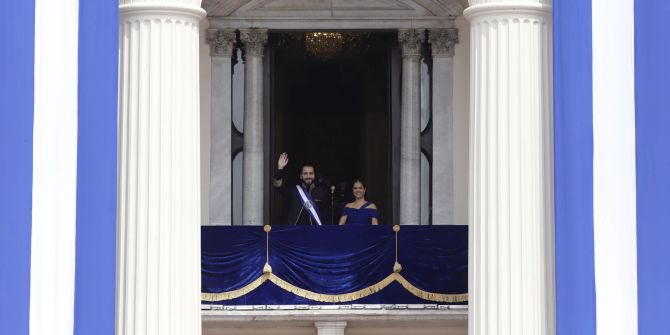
(205, 121)
(461, 121)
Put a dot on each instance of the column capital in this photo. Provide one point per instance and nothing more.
(410, 42)
(162, 8)
(194, 3)
(480, 9)
(481, 2)
(221, 42)
(254, 40)
(443, 41)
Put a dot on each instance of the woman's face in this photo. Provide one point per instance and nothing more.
(359, 190)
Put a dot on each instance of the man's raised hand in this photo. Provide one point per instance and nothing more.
(283, 160)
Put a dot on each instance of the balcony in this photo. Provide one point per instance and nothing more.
(299, 275)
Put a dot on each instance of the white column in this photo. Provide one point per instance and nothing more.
(221, 43)
(253, 182)
(410, 127)
(511, 205)
(330, 327)
(442, 44)
(158, 260)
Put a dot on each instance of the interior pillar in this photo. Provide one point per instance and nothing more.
(221, 43)
(410, 127)
(253, 181)
(443, 42)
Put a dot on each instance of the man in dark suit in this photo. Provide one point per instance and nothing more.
(306, 202)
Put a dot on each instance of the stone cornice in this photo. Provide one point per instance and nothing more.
(254, 40)
(220, 42)
(333, 8)
(410, 41)
(443, 41)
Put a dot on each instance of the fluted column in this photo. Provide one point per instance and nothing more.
(443, 43)
(253, 183)
(158, 260)
(511, 223)
(221, 42)
(410, 127)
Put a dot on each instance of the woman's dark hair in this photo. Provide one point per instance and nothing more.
(358, 181)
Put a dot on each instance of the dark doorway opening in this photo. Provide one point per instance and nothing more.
(332, 106)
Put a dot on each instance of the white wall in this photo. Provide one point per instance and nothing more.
(205, 120)
(461, 121)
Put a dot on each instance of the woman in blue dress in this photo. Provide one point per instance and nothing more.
(361, 211)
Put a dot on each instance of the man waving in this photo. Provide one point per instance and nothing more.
(306, 200)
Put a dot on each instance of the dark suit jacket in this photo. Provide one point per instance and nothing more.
(294, 212)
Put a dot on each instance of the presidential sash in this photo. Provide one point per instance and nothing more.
(308, 204)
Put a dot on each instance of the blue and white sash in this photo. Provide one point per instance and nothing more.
(308, 204)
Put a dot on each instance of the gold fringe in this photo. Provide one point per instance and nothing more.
(237, 293)
(344, 297)
(438, 297)
(332, 297)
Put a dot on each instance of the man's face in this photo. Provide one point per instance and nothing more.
(307, 175)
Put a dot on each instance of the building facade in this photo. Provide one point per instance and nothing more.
(118, 132)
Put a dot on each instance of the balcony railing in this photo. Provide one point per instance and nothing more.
(334, 265)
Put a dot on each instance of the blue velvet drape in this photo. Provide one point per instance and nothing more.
(334, 260)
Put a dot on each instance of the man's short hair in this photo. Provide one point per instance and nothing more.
(305, 165)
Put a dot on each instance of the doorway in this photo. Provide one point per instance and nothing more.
(331, 105)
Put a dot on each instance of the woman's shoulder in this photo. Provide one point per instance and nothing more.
(372, 206)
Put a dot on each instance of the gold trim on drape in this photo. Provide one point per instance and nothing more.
(344, 297)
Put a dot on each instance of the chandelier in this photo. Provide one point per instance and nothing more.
(324, 45)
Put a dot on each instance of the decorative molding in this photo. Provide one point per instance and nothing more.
(222, 8)
(443, 41)
(334, 8)
(221, 42)
(331, 22)
(254, 40)
(289, 5)
(450, 8)
(410, 42)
